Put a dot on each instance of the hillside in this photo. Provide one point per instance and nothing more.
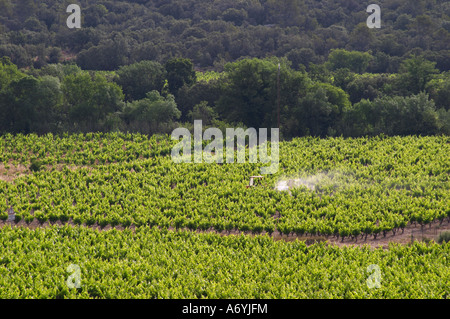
(211, 33)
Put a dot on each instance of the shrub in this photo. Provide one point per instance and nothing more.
(444, 237)
(35, 165)
(312, 241)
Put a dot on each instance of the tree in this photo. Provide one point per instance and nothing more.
(204, 112)
(108, 56)
(361, 37)
(17, 103)
(173, 9)
(48, 105)
(18, 55)
(89, 99)
(5, 7)
(8, 72)
(179, 72)
(302, 58)
(320, 73)
(249, 91)
(402, 22)
(314, 114)
(369, 86)
(140, 78)
(415, 74)
(395, 116)
(27, 104)
(189, 96)
(234, 15)
(320, 110)
(54, 55)
(33, 24)
(342, 77)
(444, 121)
(94, 14)
(24, 8)
(353, 60)
(151, 114)
(285, 12)
(439, 90)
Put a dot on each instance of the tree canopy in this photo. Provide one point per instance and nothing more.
(149, 66)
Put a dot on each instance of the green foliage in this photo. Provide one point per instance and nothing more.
(58, 70)
(203, 112)
(249, 91)
(439, 90)
(189, 96)
(444, 120)
(162, 45)
(147, 114)
(123, 264)
(395, 116)
(61, 98)
(35, 165)
(120, 32)
(415, 73)
(363, 186)
(444, 237)
(48, 105)
(5, 7)
(17, 53)
(302, 58)
(89, 99)
(55, 55)
(234, 15)
(140, 78)
(108, 55)
(17, 105)
(208, 76)
(353, 60)
(319, 110)
(369, 86)
(180, 72)
(361, 39)
(8, 73)
(26, 103)
(402, 22)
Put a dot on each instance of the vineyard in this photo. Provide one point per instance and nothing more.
(154, 263)
(353, 190)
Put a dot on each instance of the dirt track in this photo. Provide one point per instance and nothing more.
(411, 233)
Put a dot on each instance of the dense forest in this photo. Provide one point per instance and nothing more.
(149, 66)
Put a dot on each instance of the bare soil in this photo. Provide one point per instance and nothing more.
(411, 233)
(11, 172)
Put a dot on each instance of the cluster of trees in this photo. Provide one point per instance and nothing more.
(337, 97)
(122, 70)
(211, 33)
(64, 98)
(334, 100)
